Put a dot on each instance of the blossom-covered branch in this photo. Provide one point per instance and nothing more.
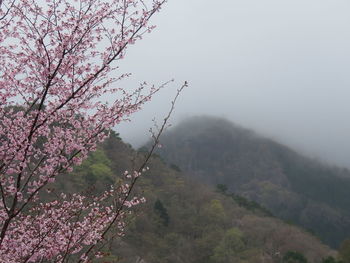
(56, 60)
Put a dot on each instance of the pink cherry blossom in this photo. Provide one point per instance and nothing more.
(56, 60)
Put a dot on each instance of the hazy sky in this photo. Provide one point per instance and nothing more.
(280, 67)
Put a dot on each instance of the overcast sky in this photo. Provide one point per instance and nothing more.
(280, 67)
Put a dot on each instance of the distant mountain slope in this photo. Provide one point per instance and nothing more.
(186, 221)
(293, 187)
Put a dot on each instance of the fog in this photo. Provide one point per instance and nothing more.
(280, 67)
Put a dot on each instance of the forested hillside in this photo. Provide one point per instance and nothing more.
(293, 187)
(187, 221)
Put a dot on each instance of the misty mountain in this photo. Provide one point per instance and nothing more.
(293, 187)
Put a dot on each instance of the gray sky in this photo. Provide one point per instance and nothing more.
(280, 67)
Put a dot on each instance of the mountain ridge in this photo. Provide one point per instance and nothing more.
(293, 186)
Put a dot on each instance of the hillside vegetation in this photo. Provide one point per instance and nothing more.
(186, 221)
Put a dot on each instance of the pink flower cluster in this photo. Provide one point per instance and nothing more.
(56, 58)
(70, 226)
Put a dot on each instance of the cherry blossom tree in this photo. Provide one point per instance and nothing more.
(56, 60)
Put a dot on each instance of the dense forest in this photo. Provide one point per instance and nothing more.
(185, 220)
(293, 187)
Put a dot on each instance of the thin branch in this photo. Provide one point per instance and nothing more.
(141, 168)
